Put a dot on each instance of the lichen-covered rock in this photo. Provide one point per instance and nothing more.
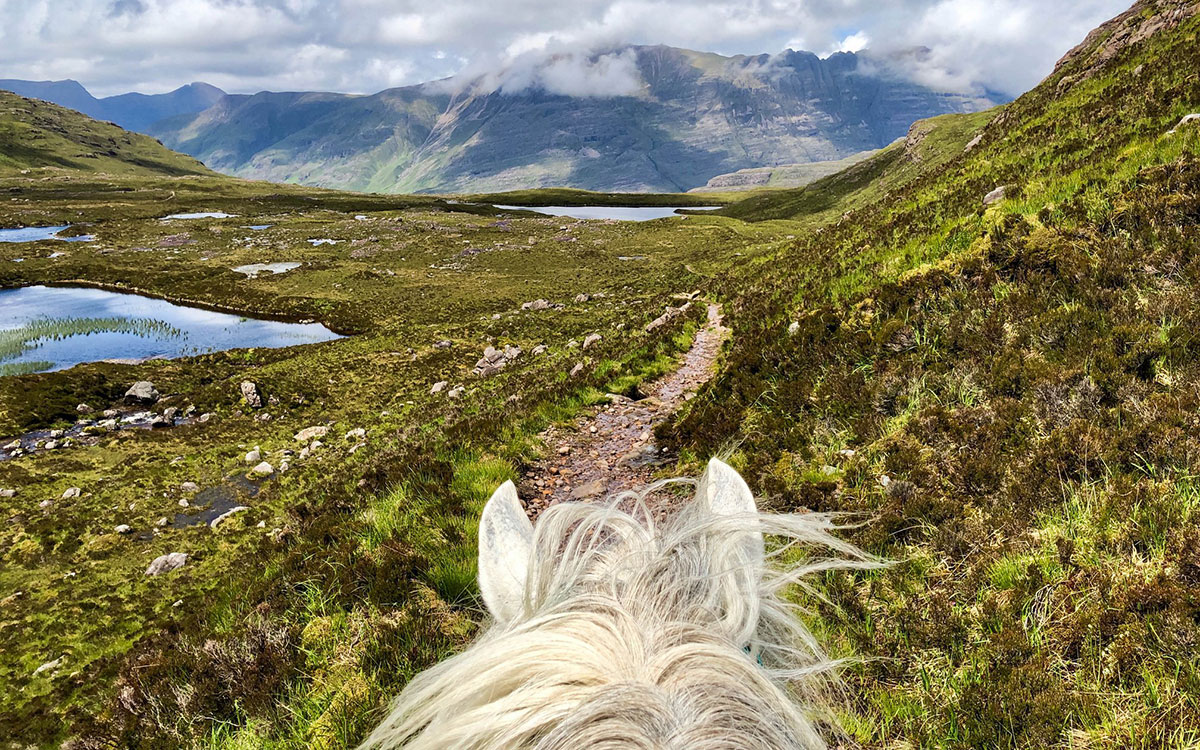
(252, 394)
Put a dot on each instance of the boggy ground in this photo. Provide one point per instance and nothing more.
(373, 529)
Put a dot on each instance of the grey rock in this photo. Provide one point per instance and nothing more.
(252, 394)
(583, 297)
(537, 304)
(263, 469)
(794, 328)
(167, 563)
(8, 493)
(309, 433)
(254, 456)
(71, 492)
(457, 392)
(997, 195)
(122, 528)
(49, 666)
(225, 516)
(671, 314)
(84, 409)
(439, 386)
(577, 370)
(142, 392)
(539, 349)
(443, 344)
(357, 433)
(591, 339)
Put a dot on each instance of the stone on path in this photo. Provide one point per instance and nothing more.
(594, 488)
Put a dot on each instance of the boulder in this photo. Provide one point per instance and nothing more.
(583, 297)
(142, 392)
(71, 492)
(263, 469)
(254, 456)
(537, 304)
(84, 409)
(123, 528)
(539, 349)
(457, 392)
(252, 394)
(357, 433)
(309, 433)
(997, 195)
(166, 563)
(190, 487)
(671, 314)
(439, 386)
(577, 370)
(591, 339)
(8, 493)
(443, 344)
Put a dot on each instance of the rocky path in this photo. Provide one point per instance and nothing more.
(611, 448)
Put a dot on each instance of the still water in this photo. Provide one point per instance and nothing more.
(619, 213)
(53, 328)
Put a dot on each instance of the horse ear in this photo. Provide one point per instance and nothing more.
(505, 546)
(727, 494)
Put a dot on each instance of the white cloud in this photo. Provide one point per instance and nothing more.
(365, 45)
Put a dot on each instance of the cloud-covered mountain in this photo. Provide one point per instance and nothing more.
(632, 118)
(628, 118)
(130, 111)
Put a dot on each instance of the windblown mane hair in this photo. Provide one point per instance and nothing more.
(634, 634)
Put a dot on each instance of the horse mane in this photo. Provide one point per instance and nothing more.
(639, 633)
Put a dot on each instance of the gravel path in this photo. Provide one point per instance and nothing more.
(611, 449)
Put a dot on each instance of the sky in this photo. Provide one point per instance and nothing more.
(363, 46)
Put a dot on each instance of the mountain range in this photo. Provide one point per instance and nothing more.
(686, 117)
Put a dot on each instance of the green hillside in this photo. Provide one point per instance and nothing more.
(35, 134)
(1008, 395)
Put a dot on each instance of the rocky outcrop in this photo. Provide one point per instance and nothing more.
(252, 394)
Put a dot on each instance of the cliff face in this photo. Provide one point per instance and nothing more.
(695, 115)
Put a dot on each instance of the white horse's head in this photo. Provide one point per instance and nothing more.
(612, 631)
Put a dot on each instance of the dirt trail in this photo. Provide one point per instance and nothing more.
(612, 448)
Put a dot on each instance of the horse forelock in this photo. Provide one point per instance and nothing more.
(639, 634)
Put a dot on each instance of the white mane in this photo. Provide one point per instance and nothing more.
(612, 631)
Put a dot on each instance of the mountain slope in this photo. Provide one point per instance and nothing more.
(130, 111)
(695, 115)
(1007, 395)
(35, 134)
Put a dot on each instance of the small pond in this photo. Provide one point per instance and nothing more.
(201, 215)
(53, 328)
(619, 213)
(36, 234)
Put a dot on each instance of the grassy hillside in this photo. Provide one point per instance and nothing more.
(780, 177)
(1008, 395)
(36, 134)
